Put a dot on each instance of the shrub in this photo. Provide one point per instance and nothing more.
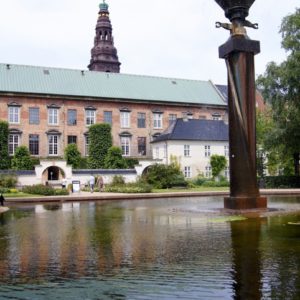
(282, 182)
(8, 181)
(35, 161)
(164, 176)
(100, 140)
(44, 190)
(218, 164)
(211, 183)
(61, 192)
(199, 180)
(114, 159)
(22, 159)
(131, 162)
(4, 156)
(129, 188)
(118, 180)
(4, 190)
(72, 155)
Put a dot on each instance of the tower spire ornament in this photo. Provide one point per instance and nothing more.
(104, 57)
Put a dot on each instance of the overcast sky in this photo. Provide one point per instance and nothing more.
(169, 38)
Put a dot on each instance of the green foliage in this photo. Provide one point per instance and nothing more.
(131, 162)
(118, 185)
(72, 156)
(280, 87)
(162, 176)
(100, 140)
(44, 190)
(114, 159)
(129, 188)
(273, 182)
(22, 159)
(218, 164)
(212, 183)
(8, 181)
(35, 161)
(4, 157)
(118, 180)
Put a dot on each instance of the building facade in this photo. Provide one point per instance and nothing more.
(191, 143)
(49, 108)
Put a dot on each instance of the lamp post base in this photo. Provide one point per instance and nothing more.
(241, 203)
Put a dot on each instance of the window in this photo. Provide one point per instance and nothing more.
(227, 174)
(72, 139)
(72, 117)
(86, 148)
(187, 115)
(53, 144)
(108, 117)
(125, 145)
(157, 120)
(34, 144)
(172, 118)
(13, 143)
(141, 120)
(142, 145)
(90, 117)
(207, 151)
(216, 117)
(14, 114)
(208, 171)
(187, 172)
(165, 151)
(226, 151)
(125, 119)
(52, 116)
(157, 152)
(187, 150)
(34, 115)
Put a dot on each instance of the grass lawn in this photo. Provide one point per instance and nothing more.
(196, 189)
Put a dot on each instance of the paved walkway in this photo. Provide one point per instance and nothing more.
(87, 196)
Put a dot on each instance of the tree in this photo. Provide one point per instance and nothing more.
(218, 164)
(22, 159)
(4, 156)
(164, 176)
(280, 86)
(72, 156)
(114, 159)
(100, 140)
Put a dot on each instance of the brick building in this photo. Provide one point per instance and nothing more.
(48, 108)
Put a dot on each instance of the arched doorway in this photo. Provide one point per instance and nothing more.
(53, 173)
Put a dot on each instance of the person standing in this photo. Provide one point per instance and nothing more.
(2, 200)
(92, 183)
(100, 183)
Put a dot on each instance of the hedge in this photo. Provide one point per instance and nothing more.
(282, 182)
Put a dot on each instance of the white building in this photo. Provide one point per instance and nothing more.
(192, 142)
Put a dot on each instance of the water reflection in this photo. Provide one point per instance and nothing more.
(166, 249)
(246, 266)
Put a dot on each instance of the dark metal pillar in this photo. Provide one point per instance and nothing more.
(238, 53)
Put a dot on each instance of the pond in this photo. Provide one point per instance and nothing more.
(179, 248)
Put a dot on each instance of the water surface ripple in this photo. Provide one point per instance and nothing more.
(148, 249)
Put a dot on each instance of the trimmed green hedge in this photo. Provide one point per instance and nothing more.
(129, 188)
(273, 182)
(44, 190)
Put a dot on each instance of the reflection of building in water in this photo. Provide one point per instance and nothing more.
(100, 238)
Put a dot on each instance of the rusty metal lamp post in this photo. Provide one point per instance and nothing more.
(238, 53)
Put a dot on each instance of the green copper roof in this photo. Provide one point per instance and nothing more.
(67, 82)
(103, 6)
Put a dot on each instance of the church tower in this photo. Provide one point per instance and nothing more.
(104, 57)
